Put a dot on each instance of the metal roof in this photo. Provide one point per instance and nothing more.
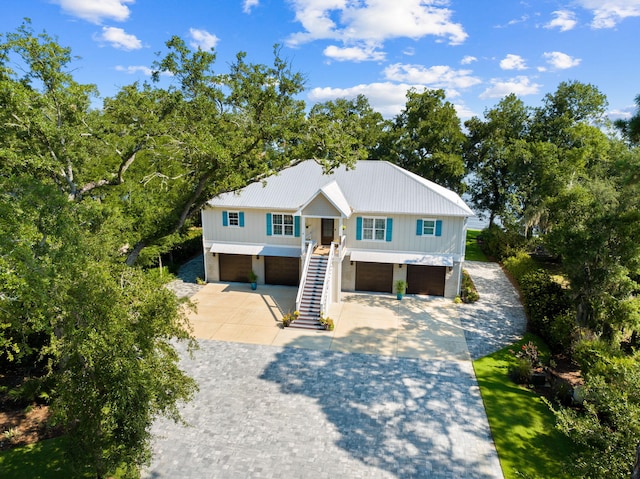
(375, 187)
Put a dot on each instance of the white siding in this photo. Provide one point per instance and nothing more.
(404, 237)
(321, 207)
(254, 230)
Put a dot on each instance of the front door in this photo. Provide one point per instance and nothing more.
(327, 231)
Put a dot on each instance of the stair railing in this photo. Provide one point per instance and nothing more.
(325, 299)
(305, 268)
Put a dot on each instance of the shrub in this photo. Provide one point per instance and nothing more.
(562, 329)
(501, 243)
(468, 293)
(544, 299)
(521, 371)
(520, 265)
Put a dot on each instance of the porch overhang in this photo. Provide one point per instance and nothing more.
(396, 257)
(255, 249)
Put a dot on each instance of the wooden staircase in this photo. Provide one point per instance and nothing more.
(309, 310)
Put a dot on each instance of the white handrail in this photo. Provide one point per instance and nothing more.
(342, 250)
(326, 285)
(305, 267)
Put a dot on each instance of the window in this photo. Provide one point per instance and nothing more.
(429, 227)
(373, 229)
(234, 218)
(282, 224)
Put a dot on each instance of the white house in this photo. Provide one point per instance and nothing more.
(353, 230)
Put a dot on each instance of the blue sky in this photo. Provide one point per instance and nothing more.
(478, 51)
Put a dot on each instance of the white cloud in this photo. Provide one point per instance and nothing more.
(202, 39)
(622, 114)
(249, 4)
(564, 20)
(561, 61)
(513, 62)
(438, 76)
(520, 85)
(119, 39)
(468, 60)
(374, 21)
(95, 11)
(608, 13)
(354, 54)
(387, 98)
(134, 69)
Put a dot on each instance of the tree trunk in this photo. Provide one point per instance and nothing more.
(133, 256)
(636, 465)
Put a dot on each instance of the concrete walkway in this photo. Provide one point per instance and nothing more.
(310, 405)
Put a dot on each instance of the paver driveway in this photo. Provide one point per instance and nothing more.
(306, 411)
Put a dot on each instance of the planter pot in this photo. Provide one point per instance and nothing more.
(399, 295)
(254, 286)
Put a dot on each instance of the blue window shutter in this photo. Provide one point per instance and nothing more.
(389, 229)
(225, 218)
(359, 228)
(439, 228)
(268, 224)
(241, 219)
(419, 228)
(296, 226)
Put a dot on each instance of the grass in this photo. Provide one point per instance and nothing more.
(522, 425)
(473, 251)
(42, 460)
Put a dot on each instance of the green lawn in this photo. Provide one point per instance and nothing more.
(43, 460)
(473, 251)
(522, 425)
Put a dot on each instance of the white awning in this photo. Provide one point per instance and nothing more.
(255, 249)
(402, 258)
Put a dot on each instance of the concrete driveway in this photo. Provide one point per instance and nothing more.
(370, 323)
(291, 404)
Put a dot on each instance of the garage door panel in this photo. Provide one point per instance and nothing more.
(234, 267)
(282, 270)
(426, 279)
(376, 277)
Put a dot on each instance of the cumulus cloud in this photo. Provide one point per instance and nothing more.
(564, 20)
(608, 13)
(561, 61)
(385, 97)
(202, 39)
(374, 21)
(354, 54)
(468, 60)
(135, 69)
(95, 11)
(438, 76)
(520, 85)
(119, 39)
(513, 62)
(248, 5)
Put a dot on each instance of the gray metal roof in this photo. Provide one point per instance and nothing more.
(374, 187)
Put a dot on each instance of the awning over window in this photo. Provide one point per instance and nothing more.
(402, 258)
(255, 249)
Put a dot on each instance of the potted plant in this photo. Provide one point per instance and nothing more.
(253, 279)
(401, 288)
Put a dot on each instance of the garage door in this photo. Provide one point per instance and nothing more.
(234, 267)
(426, 279)
(281, 270)
(374, 277)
